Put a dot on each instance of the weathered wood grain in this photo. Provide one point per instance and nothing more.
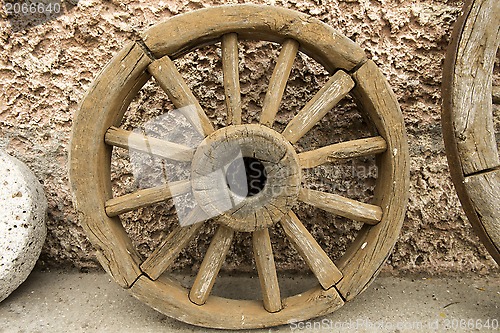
(325, 99)
(230, 70)
(103, 106)
(484, 191)
(467, 116)
(264, 260)
(212, 262)
(229, 145)
(318, 40)
(341, 151)
(373, 244)
(134, 141)
(352, 209)
(170, 298)
(467, 88)
(278, 81)
(146, 197)
(172, 245)
(318, 261)
(177, 90)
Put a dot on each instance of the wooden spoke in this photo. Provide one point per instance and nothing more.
(211, 265)
(278, 81)
(171, 81)
(352, 209)
(318, 261)
(335, 89)
(170, 248)
(231, 78)
(146, 197)
(496, 94)
(133, 141)
(343, 150)
(264, 261)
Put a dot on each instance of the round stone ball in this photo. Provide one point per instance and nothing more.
(23, 211)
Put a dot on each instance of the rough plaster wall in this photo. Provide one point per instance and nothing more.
(45, 70)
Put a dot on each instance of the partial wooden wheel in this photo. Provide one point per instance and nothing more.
(221, 156)
(468, 121)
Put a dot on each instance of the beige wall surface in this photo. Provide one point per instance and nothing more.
(47, 63)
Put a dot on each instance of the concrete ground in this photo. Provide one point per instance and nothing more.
(62, 301)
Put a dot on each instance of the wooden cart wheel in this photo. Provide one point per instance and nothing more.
(468, 125)
(96, 130)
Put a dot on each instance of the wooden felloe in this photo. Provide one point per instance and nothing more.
(97, 132)
(467, 117)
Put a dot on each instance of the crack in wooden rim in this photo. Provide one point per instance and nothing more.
(112, 92)
(222, 147)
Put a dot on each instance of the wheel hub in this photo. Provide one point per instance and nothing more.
(247, 176)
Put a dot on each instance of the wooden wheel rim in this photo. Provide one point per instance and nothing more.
(467, 118)
(107, 100)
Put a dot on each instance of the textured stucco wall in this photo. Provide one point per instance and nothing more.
(46, 68)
